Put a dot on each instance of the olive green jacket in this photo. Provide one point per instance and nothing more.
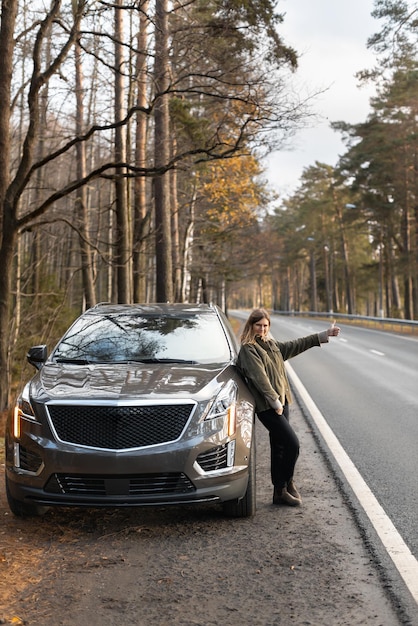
(262, 365)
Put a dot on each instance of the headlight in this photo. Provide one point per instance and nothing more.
(225, 405)
(22, 408)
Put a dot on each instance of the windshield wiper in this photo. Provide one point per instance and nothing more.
(73, 361)
(84, 361)
(157, 360)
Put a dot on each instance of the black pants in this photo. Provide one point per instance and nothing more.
(284, 445)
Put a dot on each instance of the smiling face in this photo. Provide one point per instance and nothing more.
(261, 328)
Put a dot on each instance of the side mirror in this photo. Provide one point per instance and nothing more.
(37, 356)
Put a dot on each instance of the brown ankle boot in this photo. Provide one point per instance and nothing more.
(282, 496)
(291, 488)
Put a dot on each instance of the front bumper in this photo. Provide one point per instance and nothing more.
(169, 474)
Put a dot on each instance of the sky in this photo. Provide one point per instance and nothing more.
(330, 37)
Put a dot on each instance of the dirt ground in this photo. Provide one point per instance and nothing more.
(191, 566)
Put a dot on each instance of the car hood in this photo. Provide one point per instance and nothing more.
(119, 381)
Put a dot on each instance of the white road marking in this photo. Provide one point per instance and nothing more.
(402, 557)
(377, 352)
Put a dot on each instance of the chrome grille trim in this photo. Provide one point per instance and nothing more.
(141, 485)
(213, 459)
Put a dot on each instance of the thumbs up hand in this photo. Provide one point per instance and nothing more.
(333, 330)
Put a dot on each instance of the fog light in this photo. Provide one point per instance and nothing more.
(230, 458)
(16, 455)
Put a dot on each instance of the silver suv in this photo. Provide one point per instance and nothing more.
(136, 405)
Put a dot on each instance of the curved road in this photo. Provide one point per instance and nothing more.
(365, 385)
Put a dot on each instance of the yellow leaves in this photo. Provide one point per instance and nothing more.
(231, 193)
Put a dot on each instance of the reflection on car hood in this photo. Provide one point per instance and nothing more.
(61, 381)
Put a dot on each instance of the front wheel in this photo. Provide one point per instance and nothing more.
(246, 506)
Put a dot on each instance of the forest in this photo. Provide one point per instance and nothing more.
(132, 136)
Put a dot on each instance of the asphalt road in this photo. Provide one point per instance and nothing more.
(365, 385)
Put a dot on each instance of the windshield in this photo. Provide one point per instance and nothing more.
(118, 338)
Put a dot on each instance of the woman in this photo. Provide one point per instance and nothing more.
(261, 362)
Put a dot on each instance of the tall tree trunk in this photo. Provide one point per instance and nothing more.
(164, 282)
(122, 243)
(8, 227)
(141, 215)
(313, 283)
(415, 261)
(188, 250)
(7, 249)
(81, 198)
(345, 258)
(175, 230)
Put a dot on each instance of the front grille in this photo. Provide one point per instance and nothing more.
(213, 459)
(139, 485)
(119, 427)
(29, 461)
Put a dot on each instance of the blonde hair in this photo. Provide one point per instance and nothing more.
(248, 334)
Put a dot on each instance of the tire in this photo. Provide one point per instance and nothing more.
(23, 509)
(245, 506)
